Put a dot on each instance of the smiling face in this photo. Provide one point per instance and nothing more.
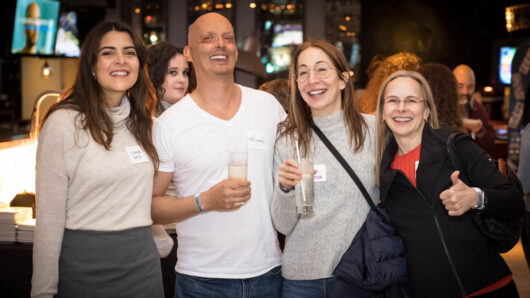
(404, 110)
(177, 79)
(465, 77)
(117, 65)
(318, 82)
(212, 46)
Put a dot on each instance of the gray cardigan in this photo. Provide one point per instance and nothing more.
(315, 244)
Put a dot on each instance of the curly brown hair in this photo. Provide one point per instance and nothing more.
(444, 90)
(157, 66)
(400, 61)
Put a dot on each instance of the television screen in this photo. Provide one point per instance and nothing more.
(35, 27)
(505, 66)
(287, 34)
(67, 42)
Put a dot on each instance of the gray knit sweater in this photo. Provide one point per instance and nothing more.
(315, 244)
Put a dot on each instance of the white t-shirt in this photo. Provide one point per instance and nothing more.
(194, 145)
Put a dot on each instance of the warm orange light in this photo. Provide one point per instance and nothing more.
(488, 89)
(196, 8)
(228, 5)
(204, 6)
(137, 10)
(219, 6)
(343, 28)
(348, 18)
(17, 173)
(252, 5)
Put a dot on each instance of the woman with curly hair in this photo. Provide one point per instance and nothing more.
(400, 61)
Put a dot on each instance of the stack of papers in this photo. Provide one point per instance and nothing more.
(25, 231)
(9, 218)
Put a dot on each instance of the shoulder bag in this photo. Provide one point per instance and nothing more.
(374, 264)
(502, 234)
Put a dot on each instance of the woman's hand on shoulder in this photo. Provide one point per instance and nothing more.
(459, 198)
(289, 175)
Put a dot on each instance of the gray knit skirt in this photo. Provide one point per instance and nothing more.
(109, 264)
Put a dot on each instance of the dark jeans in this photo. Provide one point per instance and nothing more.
(315, 288)
(264, 286)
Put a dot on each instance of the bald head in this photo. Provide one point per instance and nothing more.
(208, 20)
(212, 48)
(33, 11)
(465, 77)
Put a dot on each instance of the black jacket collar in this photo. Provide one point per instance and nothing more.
(433, 157)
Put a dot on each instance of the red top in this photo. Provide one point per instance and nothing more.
(407, 163)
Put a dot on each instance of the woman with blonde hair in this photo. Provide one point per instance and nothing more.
(430, 202)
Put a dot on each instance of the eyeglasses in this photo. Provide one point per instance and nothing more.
(322, 70)
(408, 102)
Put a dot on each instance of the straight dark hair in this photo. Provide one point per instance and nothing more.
(86, 95)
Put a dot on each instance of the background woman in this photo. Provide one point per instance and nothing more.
(444, 91)
(171, 74)
(172, 77)
(429, 202)
(95, 166)
(321, 91)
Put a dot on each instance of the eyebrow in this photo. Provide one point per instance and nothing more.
(114, 48)
(313, 64)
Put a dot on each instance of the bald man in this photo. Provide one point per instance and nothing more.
(227, 245)
(475, 118)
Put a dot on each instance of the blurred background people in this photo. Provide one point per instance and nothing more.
(475, 118)
(172, 77)
(280, 89)
(322, 91)
(429, 202)
(407, 61)
(444, 91)
(94, 177)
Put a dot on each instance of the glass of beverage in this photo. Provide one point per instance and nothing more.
(237, 164)
(305, 197)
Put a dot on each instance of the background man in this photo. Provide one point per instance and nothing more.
(474, 116)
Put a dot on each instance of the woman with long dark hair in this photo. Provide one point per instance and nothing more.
(94, 177)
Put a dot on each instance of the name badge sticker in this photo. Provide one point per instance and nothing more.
(320, 172)
(257, 140)
(136, 155)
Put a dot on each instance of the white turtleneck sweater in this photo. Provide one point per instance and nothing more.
(82, 186)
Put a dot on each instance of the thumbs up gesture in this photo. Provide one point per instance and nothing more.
(459, 198)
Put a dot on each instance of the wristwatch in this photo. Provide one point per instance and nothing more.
(480, 199)
(285, 189)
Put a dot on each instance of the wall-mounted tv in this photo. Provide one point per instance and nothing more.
(505, 64)
(67, 42)
(35, 27)
(287, 34)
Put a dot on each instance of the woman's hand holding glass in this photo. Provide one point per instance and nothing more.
(459, 198)
(289, 174)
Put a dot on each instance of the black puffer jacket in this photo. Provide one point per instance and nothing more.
(447, 256)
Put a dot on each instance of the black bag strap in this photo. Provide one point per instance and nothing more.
(345, 165)
(451, 149)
